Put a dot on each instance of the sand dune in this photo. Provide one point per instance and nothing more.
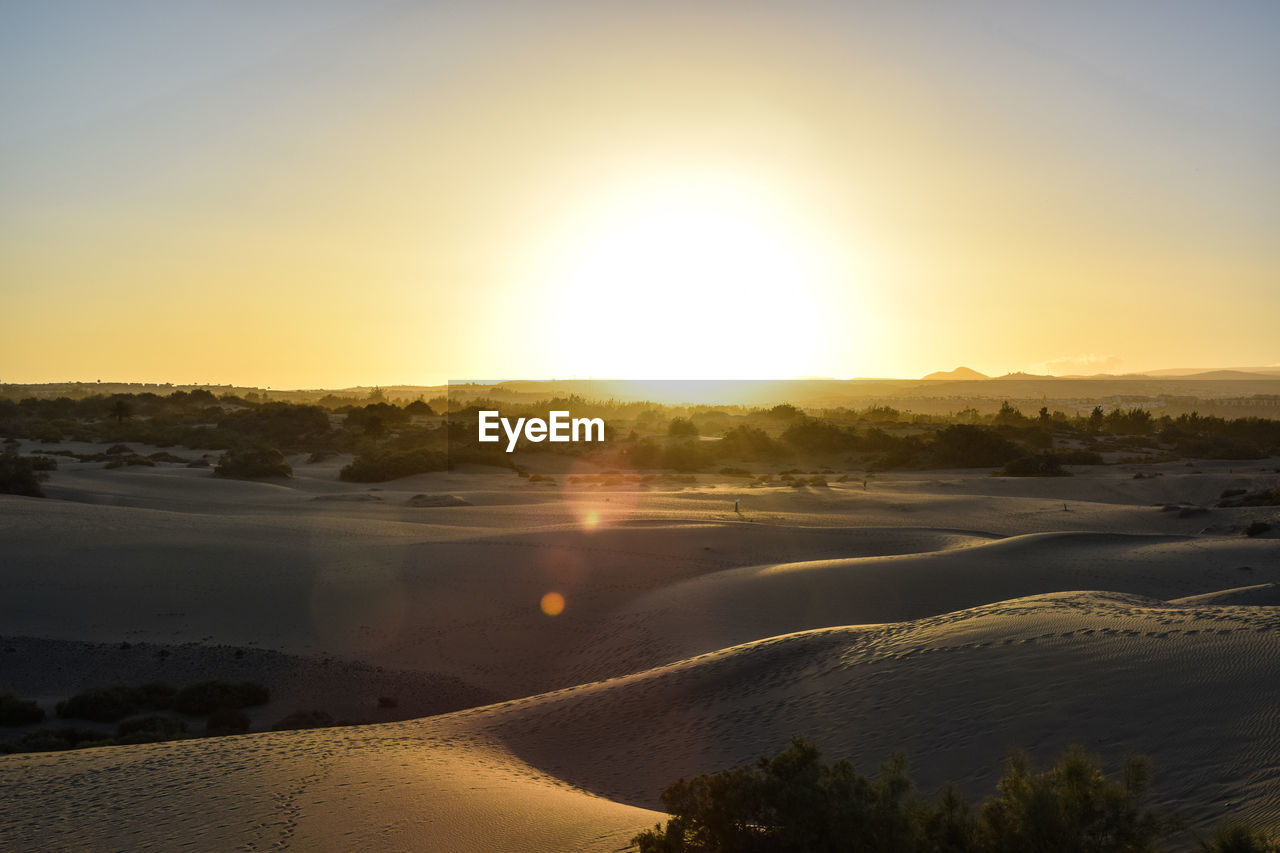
(736, 605)
(949, 615)
(1193, 686)
(387, 787)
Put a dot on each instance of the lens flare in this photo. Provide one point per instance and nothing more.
(552, 604)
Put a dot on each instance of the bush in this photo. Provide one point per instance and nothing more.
(682, 428)
(793, 803)
(1071, 806)
(746, 442)
(18, 712)
(248, 464)
(101, 704)
(19, 476)
(966, 446)
(1040, 465)
(818, 436)
(380, 467)
(208, 696)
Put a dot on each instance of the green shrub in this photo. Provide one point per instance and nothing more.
(379, 467)
(208, 696)
(794, 803)
(19, 712)
(818, 436)
(101, 704)
(44, 463)
(744, 442)
(249, 464)
(967, 446)
(1040, 465)
(1071, 806)
(682, 428)
(19, 475)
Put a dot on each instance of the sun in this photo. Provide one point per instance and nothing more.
(689, 276)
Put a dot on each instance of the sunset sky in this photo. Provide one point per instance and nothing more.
(325, 194)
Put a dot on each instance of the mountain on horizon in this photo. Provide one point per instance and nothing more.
(957, 374)
(1206, 372)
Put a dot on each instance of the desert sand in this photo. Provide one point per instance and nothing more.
(945, 614)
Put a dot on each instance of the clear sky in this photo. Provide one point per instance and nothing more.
(323, 194)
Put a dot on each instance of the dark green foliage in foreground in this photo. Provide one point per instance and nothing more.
(257, 462)
(1040, 465)
(382, 466)
(794, 803)
(206, 697)
(19, 475)
(18, 712)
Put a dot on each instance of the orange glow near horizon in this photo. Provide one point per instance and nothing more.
(412, 193)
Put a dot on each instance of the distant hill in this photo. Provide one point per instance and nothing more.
(1212, 372)
(957, 374)
(1225, 375)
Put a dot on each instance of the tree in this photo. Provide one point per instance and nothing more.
(682, 427)
(1095, 419)
(120, 409)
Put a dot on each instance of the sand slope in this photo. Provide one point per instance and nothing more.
(1191, 686)
(949, 615)
(386, 787)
